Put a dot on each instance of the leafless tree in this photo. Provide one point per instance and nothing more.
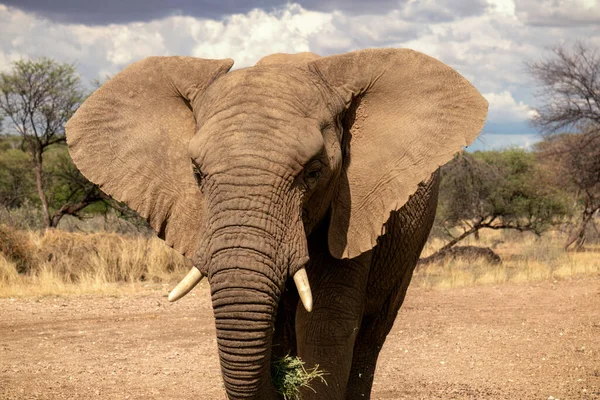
(569, 83)
(574, 159)
(569, 89)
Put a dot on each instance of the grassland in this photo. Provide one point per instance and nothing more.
(525, 258)
(64, 263)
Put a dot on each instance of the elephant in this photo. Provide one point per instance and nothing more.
(303, 187)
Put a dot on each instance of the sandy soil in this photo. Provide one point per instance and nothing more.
(506, 342)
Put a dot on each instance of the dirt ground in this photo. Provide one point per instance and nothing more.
(538, 341)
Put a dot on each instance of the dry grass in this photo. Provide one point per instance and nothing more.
(74, 263)
(62, 263)
(526, 258)
(16, 247)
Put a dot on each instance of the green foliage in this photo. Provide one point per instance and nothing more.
(8, 142)
(498, 190)
(289, 375)
(65, 184)
(27, 217)
(38, 97)
(17, 183)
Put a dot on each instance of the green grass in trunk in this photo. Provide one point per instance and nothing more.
(289, 375)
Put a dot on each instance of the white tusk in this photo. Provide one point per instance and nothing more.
(301, 281)
(188, 283)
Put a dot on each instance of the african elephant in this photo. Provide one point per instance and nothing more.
(318, 168)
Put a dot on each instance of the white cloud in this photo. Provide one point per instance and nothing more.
(101, 50)
(249, 37)
(559, 13)
(487, 48)
(506, 7)
(503, 107)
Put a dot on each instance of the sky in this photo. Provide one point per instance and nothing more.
(487, 41)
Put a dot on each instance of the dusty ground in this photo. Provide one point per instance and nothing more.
(504, 342)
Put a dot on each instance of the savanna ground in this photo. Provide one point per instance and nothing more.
(528, 328)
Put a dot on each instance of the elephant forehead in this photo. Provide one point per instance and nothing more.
(256, 139)
(274, 91)
(262, 111)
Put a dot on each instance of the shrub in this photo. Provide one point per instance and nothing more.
(16, 247)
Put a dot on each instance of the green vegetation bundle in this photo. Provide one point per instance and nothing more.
(289, 375)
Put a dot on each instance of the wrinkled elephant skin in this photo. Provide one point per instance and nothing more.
(303, 188)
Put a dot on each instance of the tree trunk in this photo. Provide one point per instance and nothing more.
(37, 167)
(70, 209)
(578, 237)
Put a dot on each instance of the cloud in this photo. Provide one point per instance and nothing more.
(108, 12)
(503, 107)
(249, 37)
(558, 13)
(487, 42)
(443, 10)
(118, 11)
(101, 50)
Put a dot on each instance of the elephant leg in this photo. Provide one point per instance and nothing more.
(371, 337)
(327, 335)
(393, 263)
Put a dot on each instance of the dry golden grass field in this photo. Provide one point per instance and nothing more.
(63, 263)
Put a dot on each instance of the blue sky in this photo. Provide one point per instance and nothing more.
(487, 41)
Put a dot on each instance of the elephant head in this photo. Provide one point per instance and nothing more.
(235, 169)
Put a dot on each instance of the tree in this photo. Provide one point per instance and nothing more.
(37, 98)
(495, 190)
(16, 181)
(569, 89)
(574, 159)
(569, 83)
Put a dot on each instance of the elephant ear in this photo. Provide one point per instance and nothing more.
(131, 138)
(406, 115)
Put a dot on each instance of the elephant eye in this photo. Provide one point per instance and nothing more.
(312, 173)
(198, 175)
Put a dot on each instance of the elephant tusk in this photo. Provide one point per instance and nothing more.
(301, 281)
(188, 283)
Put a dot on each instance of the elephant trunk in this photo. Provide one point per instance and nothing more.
(246, 288)
(249, 252)
(244, 322)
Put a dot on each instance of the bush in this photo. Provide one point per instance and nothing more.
(16, 247)
(496, 190)
(27, 217)
(108, 257)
